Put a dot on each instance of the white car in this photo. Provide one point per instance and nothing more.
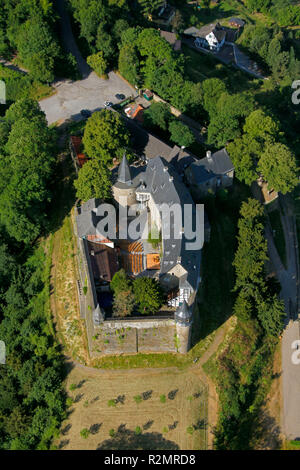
(108, 104)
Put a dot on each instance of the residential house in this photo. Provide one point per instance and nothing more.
(171, 38)
(236, 22)
(209, 174)
(210, 36)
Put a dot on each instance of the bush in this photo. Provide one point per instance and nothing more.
(162, 399)
(138, 430)
(84, 433)
(138, 399)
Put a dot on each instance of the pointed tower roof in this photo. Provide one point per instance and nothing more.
(124, 175)
(183, 314)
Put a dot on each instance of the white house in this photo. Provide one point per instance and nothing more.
(210, 36)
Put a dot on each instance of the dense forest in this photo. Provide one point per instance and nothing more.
(32, 401)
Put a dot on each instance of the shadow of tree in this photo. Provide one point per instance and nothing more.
(95, 428)
(148, 425)
(147, 395)
(173, 426)
(172, 394)
(268, 433)
(66, 429)
(126, 439)
(63, 443)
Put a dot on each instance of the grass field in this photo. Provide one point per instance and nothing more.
(172, 413)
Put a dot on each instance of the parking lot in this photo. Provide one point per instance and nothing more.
(89, 93)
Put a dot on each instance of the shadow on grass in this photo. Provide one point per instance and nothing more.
(215, 296)
(126, 439)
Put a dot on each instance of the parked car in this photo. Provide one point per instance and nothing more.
(120, 96)
(108, 104)
(85, 113)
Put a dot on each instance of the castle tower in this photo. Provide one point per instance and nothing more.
(124, 175)
(123, 189)
(183, 320)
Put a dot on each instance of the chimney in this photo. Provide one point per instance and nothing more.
(208, 155)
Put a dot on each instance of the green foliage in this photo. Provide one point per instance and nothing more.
(148, 295)
(162, 399)
(123, 303)
(278, 166)
(32, 411)
(105, 137)
(111, 403)
(94, 180)
(84, 433)
(181, 134)
(157, 115)
(29, 156)
(138, 430)
(138, 399)
(98, 63)
(190, 430)
(120, 282)
(112, 432)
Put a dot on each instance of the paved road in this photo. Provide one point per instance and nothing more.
(289, 280)
(89, 93)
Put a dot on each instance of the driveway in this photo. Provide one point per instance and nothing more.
(289, 280)
(89, 93)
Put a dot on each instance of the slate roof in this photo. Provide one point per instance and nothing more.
(205, 30)
(207, 168)
(124, 175)
(165, 186)
(183, 313)
(149, 146)
(237, 21)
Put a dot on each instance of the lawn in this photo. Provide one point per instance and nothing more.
(278, 234)
(148, 409)
(200, 66)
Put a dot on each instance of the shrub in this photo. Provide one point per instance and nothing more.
(138, 399)
(84, 433)
(138, 430)
(162, 399)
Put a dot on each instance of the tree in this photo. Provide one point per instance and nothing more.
(244, 153)
(120, 282)
(123, 303)
(98, 63)
(38, 49)
(105, 136)
(129, 64)
(278, 166)
(94, 180)
(251, 254)
(271, 313)
(212, 89)
(27, 173)
(148, 295)
(260, 126)
(181, 134)
(157, 115)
